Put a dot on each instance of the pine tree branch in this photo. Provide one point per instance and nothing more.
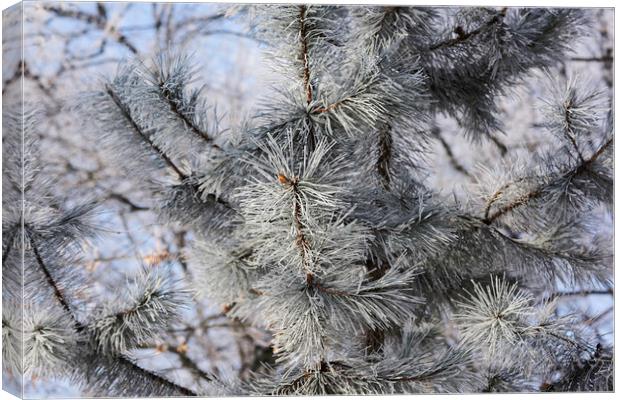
(324, 367)
(126, 113)
(516, 204)
(301, 242)
(62, 300)
(304, 57)
(186, 120)
(536, 193)
(156, 377)
(463, 36)
(568, 128)
(304, 53)
(416, 378)
(332, 292)
(585, 376)
(565, 339)
(385, 25)
(52, 282)
(385, 154)
(498, 193)
(600, 151)
(219, 200)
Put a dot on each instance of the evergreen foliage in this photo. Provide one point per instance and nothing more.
(49, 327)
(316, 222)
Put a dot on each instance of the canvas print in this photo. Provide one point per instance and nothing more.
(205, 199)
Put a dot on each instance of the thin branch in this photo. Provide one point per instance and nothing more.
(300, 237)
(156, 377)
(568, 129)
(464, 36)
(304, 53)
(497, 195)
(597, 318)
(180, 240)
(186, 361)
(100, 21)
(75, 14)
(219, 200)
(385, 154)
(123, 199)
(186, 120)
(126, 113)
(453, 161)
(606, 292)
(191, 365)
(600, 151)
(24, 72)
(593, 59)
(201, 20)
(516, 204)
(540, 190)
(501, 146)
(52, 283)
(328, 108)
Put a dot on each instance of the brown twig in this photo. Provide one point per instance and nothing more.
(328, 108)
(304, 53)
(385, 154)
(524, 199)
(301, 241)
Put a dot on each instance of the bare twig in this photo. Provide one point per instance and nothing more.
(99, 20)
(453, 161)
